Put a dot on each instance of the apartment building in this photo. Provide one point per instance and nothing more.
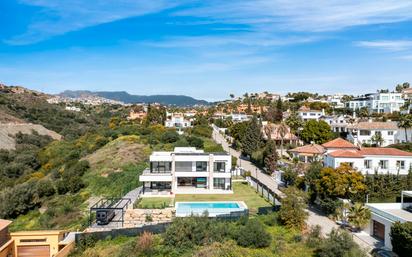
(187, 170)
(378, 102)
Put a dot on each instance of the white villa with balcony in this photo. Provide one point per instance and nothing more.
(187, 170)
(369, 160)
(385, 214)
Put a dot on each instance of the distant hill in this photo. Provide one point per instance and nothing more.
(177, 100)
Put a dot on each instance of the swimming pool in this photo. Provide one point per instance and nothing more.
(184, 209)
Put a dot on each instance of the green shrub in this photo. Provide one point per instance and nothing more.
(401, 238)
(254, 235)
(338, 244)
(45, 188)
(329, 205)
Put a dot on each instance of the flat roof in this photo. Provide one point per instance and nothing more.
(392, 211)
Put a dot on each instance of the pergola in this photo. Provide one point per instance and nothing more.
(118, 205)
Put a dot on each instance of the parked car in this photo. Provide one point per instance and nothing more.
(103, 217)
(379, 252)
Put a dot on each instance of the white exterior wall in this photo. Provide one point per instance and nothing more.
(386, 222)
(379, 102)
(311, 115)
(356, 137)
(197, 156)
(177, 122)
(359, 163)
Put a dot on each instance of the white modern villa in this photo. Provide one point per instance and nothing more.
(385, 214)
(187, 170)
(177, 120)
(378, 102)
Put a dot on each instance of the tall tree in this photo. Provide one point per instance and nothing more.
(294, 122)
(292, 211)
(270, 157)
(279, 110)
(283, 131)
(253, 138)
(318, 132)
(405, 122)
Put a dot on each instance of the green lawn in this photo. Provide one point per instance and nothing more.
(242, 192)
(155, 202)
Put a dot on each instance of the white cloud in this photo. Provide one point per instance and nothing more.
(389, 45)
(242, 39)
(60, 17)
(260, 16)
(303, 15)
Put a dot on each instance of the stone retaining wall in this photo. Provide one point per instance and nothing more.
(137, 217)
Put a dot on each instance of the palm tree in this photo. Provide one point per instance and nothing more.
(405, 122)
(378, 139)
(359, 216)
(283, 130)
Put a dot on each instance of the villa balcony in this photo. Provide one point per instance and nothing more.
(148, 176)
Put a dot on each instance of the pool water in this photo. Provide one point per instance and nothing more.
(227, 205)
(213, 209)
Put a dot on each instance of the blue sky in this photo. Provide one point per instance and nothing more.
(206, 49)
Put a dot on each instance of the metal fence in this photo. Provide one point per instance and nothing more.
(263, 190)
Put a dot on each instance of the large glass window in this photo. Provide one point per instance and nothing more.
(219, 183)
(219, 166)
(160, 185)
(160, 167)
(183, 166)
(201, 166)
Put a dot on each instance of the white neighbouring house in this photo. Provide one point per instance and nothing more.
(305, 113)
(369, 160)
(338, 123)
(177, 120)
(187, 170)
(384, 215)
(378, 102)
(363, 132)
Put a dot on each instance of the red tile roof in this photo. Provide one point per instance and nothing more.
(339, 143)
(383, 151)
(346, 154)
(311, 149)
(4, 223)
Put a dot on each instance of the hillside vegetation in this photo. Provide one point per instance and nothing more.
(49, 184)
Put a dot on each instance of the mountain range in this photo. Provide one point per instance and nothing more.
(123, 96)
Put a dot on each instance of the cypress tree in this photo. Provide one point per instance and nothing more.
(252, 138)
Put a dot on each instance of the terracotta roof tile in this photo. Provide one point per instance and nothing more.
(312, 149)
(339, 143)
(376, 125)
(383, 151)
(346, 154)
